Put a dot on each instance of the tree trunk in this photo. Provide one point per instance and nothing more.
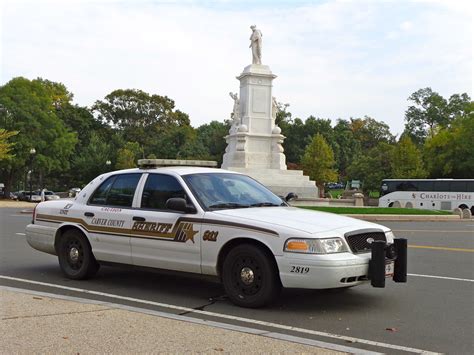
(8, 184)
(320, 190)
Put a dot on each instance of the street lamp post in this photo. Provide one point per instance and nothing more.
(107, 163)
(30, 173)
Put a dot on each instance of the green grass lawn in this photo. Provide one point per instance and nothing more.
(335, 192)
(375, 210)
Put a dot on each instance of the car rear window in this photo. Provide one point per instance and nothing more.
(117, 190)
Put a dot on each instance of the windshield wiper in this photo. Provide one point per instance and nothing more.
(265, 204)
(228, 205)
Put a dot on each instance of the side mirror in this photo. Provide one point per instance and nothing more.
(291, 196)
(179, 204)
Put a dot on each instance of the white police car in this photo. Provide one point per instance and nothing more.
(213, 222)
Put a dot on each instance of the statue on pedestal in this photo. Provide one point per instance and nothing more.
(235, 115)
(254, 142)
(275, 108)
(256, 45)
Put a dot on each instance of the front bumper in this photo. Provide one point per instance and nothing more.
(340, 270)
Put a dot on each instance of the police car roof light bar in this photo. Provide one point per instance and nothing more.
(154, 163)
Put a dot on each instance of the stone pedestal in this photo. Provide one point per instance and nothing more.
(254, 143)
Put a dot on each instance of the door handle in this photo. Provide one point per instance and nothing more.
(139, 219)
(88, 214)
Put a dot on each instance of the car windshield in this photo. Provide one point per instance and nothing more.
(224, 191)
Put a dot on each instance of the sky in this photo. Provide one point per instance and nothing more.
(333, 59)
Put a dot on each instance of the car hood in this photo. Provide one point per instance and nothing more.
(307, 221)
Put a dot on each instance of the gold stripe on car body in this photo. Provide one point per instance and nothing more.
(155, 230)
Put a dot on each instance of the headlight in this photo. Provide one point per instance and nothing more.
(316, 246)
(389, 236)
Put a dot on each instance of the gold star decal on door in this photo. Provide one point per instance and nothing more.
(190, 233)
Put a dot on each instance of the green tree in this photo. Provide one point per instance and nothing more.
(450, 153)
(29, 108)
(372, 166)
(5, 146)
(211, 135)
(145, 119)
(407, 162)
(127, 156)
(370, 132)
(346, 146)
(91, 160)
(193, 149)
(299, 134)
(318, 162)
(295, 141)
(432, 112)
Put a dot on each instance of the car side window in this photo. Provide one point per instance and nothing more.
(158, 189)
(117, 190)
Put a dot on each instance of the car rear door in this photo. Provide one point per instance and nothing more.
(108, 217)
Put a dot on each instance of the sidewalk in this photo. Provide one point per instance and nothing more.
(37, 324)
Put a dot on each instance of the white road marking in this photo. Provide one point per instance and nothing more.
(226, 316)
(264, 333)
(441, 277)
(20, 233)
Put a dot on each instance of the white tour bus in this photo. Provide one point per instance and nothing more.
(432, 194)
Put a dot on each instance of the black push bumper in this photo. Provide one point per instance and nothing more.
(381, 254)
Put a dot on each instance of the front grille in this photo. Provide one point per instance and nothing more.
(358, 241)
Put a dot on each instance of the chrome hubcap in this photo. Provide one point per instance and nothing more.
(74, 254)
(246, 275)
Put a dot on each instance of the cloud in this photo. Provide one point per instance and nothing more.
(333, 59)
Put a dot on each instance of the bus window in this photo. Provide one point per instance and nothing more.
(407, 186)
(425, 185)
(387, 187)
(469, 186)
(442, 186)
(458, 186)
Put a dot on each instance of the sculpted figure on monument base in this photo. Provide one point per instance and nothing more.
(256, 45)
(235, 115)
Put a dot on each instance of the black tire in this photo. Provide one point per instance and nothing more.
(75, 256)
(250, 276)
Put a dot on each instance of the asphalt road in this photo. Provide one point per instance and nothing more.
(432, 312)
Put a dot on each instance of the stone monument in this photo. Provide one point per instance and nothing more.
(254, 143)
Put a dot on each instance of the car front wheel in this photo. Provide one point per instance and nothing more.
(75, 256)
(250, 276)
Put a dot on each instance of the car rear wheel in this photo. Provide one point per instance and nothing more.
(75, 256)
(250, 276)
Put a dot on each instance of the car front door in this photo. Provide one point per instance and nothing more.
(163, 238)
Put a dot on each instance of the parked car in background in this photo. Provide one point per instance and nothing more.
(14, 195)
(334, 185)
(22, 195)
(49, 195)
(26, 196)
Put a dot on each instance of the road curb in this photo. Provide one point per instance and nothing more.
(405, 217)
